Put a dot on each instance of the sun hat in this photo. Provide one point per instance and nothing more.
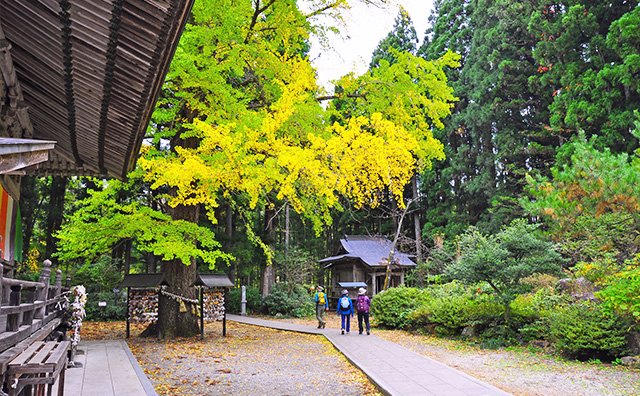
(361, 291)
(319, 287)
(344, 291)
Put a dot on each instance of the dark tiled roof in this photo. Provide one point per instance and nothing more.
(373, 251)
(143, 280)
(213, 280)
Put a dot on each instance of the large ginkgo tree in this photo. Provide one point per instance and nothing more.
(242, 122)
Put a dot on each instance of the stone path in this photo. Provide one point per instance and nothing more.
(106, 368)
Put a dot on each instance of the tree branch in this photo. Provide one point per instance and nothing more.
(256, 14)
(331, 97)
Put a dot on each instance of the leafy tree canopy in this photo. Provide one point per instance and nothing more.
(103, 220)
(241, 73)
(588, 56)
(587, 182)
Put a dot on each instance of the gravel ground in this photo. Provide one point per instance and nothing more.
(249, 361)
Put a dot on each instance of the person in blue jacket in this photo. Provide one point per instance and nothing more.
(345, 309)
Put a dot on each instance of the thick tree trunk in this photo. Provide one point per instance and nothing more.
(150, 260)
(286, 230)
(177, 303)
(228, 227)
(177, 313)
(127, 256)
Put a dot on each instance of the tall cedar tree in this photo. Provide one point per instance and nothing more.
(494, 132)
(445, 198)
(588, 56)
(402, 38)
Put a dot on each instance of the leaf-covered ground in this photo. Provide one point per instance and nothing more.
(248, 361)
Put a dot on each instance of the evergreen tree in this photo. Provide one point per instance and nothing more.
(442, 189)
(494, 132)
(402, 38)
(587, 54)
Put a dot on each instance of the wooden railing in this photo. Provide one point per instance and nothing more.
(29, 312)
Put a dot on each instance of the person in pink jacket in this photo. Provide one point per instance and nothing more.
(363, 302)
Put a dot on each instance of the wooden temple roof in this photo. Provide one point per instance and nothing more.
(85, 74)
(370, 250)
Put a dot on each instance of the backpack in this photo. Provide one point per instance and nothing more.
(321, 299)
(344, 303)
(361, 304)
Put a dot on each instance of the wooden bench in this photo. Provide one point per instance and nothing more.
(41, 364)
(30, 314)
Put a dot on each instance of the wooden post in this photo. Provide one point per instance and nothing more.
(43, 292)
(128, 310)
(13, 320)
(374, 284)
(200, 293)
(6, 273)
(30, 298)
(224, 315)
(57, 283)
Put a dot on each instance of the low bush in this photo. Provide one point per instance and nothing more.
(297, 303)
(234, 300)
(115, 308)
(531, 312)
(449, 314)
(498, 334)
(584, 331)
(392, 307)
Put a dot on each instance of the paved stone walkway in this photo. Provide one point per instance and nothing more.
(106, 368)
(395, 370)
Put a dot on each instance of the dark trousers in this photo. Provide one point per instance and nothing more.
(365, 316)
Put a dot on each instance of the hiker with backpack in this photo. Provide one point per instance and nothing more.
(321, 305)
(363, 302)
(345, 309)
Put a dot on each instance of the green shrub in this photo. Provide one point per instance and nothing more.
(391, 307)
(532, 311)
(449, 314)
(234, 300)
(498, 335)
(453, 288)
(539, 329)
(297, 304)
(116, 308)
(584, 331)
